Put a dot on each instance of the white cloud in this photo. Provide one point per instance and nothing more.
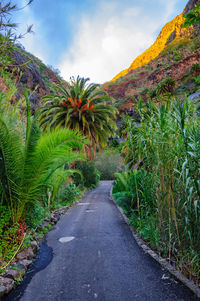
(104, 45)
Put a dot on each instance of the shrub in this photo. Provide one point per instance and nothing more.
(89, 172)
(152, 93)
(10, 235)
(108, 163)
(70, 193)
(114, 143)
(167, 85)
(36, 215)
(195, 68)
(197, 79)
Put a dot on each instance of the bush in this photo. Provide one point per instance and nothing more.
(70, 193)
(195, 69)
(152, 93)
(108, 163)
(167, 85)
(89, 172)
(197, 79)
(36, 215)
(11, 235)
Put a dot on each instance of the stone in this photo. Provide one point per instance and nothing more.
(7, 283)
(12, 274)
(25, 254)
(53, 218)
(2, 290)
(34, 246)
(25, 262)
(21, 268)
(57, 215)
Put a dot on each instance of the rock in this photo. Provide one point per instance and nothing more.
(6, 283)
(25, 254)
(26, 263)
(34, 246)
(21, 268)
(53, 218)
(47, 219)
(2, 291)
(57, 215)
(12, 274)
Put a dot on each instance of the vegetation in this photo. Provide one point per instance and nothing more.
(88, 176)
(108, 163)
(193, 16)
(42, 161)
(82, 107)
(162, 195)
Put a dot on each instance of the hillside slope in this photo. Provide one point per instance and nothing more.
(173, 54)
(25, 71)
(171, 27)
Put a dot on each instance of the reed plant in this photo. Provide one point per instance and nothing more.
(167, 146)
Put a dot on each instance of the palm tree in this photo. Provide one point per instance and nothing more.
(26, 166)
(83, 107)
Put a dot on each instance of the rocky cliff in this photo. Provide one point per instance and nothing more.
(170, 31)
(25, 71)
(173, 55)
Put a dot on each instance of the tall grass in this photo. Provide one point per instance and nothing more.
(167, 145)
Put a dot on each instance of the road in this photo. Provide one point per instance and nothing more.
(95, 257)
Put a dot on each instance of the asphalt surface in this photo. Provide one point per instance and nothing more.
(101, 262)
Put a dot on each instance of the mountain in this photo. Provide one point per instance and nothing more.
(173, 54)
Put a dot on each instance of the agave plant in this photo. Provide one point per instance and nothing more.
(26, 166)
(82, 107)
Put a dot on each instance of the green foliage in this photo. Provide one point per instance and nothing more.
(177, 56)
(131, 187)
(167, 146)
(195, 68)
(36, 215)
(7, 32)
(70, 194)
(27, 166)
(90, 175)
(9, 239)
(114, 143)
(83, 107)
(193, 16)
(107, 163)
(197, 79)
(167, 85)
(153, 93)
(55, 185)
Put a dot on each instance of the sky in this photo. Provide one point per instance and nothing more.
(90, 38)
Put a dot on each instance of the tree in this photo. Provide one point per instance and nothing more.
(83, 107)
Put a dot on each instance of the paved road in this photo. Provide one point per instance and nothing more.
(102, 262)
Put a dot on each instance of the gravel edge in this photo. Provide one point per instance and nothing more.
(163, 262)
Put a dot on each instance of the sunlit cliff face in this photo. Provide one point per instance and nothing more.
(174, 27)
